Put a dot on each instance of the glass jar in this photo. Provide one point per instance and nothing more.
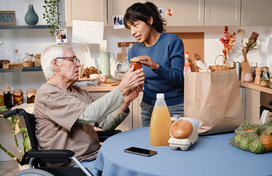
(8, 97)
(1, 98)
(265, 79)
(28, 60)
(137, 64)
(30, 95)
(18, 97)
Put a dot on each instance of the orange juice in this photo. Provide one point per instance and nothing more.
(160, 125)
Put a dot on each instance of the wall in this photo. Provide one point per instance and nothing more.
(35, 40)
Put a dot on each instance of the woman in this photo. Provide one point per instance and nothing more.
(66, 114)
(162, 57)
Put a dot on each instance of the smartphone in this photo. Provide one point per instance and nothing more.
(140, 151)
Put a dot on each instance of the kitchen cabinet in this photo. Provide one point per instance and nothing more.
(252, 105)
(85, 10)
(118, 7)
(136, 111)
(127, 123)
(256, 13)
(186, 12)
(222, 12)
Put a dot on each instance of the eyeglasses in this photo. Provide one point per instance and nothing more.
(71, 58)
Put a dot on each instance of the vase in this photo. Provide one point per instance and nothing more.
(31, 17)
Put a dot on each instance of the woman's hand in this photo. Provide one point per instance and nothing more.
(147, 61)
(131, 81)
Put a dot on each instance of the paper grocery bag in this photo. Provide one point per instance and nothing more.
(214, 98)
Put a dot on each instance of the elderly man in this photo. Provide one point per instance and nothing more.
(66, 114)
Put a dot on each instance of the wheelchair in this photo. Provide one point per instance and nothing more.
(37, 158)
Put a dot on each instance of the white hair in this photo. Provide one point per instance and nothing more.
(48, 55)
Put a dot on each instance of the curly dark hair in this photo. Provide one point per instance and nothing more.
(143, 12)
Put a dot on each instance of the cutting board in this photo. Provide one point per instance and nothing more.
(123, 53)
(245, 65)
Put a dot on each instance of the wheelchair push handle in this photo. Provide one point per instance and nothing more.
(10, 113)
(14, 112)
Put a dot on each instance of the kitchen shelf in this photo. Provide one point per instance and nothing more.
(29, 69)
(24, 27)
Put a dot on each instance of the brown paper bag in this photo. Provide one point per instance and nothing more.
(214, 98)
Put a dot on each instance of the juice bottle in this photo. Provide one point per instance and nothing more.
(160, 123)
(187, 65)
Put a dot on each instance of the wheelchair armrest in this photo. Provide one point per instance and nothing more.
(51, 156)
(103, 135)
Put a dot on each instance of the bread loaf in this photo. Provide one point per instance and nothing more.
(182, 129)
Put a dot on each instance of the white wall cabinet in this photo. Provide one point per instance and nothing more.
(256, 13)
(118, 7)
(186, 12)
(252, 105)
(222, 12)
(85, 10)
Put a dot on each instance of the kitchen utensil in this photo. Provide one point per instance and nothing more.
(253, 65)
(238, 70)
(105, 64)
(123, 54)
(245, 65)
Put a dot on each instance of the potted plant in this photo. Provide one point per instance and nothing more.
(51, 15)
(15, 121)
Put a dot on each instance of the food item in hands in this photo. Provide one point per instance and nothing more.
(182, 129)
(137, 64)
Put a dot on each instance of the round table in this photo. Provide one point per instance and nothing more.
(210, 155)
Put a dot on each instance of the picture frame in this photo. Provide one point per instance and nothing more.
(7, 18)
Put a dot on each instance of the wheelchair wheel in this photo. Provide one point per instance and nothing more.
(32, 172)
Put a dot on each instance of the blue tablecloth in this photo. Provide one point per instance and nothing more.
(210, 155)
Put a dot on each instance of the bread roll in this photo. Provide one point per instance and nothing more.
(181, 129)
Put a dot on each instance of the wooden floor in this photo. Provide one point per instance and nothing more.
(8, 168)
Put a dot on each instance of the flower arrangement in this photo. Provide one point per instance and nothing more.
(15, 121)
(251, 44)
(228, 42)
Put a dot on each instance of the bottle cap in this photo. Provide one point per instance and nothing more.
(186, 52)
(160, 96)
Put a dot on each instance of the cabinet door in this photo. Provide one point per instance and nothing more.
(256, 13)
(136, 113)
(118, 7)
(252, 106)
(222, 12)
(85, 10)
(186, 12)
(127, 123)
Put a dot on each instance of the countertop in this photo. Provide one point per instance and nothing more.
(104, 87)
(258, 87)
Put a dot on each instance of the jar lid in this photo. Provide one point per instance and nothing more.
(7, 89)
(17, 92)
(31, 90)
(134, 60)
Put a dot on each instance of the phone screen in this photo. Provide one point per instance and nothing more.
(140, 151)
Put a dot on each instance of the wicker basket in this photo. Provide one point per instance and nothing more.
(217, 67)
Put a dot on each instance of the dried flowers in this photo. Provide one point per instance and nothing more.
(250, 45)
(227, 41)
(252, 42)
(29, 1)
